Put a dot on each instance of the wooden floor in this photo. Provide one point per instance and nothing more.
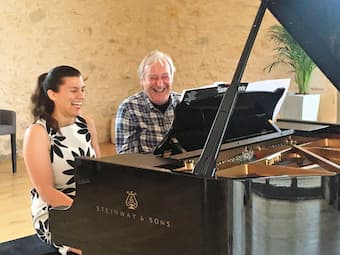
(15, 214)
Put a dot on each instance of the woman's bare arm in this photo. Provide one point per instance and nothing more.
(38, 165)
(94, 138)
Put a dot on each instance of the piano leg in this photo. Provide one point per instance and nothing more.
(337, 192)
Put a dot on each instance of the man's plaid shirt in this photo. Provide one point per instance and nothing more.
(140, 126)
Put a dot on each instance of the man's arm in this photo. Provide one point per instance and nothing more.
(126, 129)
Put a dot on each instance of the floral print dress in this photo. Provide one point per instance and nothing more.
(73, 141)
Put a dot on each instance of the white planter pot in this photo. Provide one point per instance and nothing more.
(300, 107)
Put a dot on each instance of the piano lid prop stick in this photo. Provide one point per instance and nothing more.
(206, 165)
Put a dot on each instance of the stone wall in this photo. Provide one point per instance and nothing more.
(106, 39)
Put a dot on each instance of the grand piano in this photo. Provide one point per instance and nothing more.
(226, 179)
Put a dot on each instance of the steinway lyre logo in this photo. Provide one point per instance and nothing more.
(131, 200)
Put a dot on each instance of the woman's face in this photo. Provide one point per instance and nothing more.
(69, 99)
(157, 83)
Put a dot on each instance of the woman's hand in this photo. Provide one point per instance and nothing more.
(72, 251)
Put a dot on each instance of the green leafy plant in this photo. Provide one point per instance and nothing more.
(289, 52)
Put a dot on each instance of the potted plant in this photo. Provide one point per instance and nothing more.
(289, 52)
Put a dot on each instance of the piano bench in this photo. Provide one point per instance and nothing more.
(28, 245)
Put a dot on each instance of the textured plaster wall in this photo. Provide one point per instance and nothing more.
(106, 39)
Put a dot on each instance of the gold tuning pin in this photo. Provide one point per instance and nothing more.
(189, 165)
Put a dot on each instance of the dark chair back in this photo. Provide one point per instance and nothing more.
(8, 127)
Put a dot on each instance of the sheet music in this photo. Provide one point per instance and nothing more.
(214, 85)
(271, 85)
(264, 85)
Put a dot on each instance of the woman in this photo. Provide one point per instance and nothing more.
(51, 145)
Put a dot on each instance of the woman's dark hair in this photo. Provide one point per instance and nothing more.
(43, 106)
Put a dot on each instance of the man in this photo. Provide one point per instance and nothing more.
(143, 119)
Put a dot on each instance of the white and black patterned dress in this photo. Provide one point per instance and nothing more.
(73, 141)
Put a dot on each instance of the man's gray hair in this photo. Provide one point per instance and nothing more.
(153, 57)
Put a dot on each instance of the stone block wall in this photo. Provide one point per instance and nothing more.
(106, 40)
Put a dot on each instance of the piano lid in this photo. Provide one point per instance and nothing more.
(315, 25)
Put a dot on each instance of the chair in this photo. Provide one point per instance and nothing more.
(8, 127)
